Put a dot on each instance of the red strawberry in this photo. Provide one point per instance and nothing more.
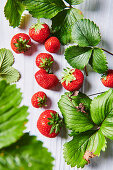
(39, 99)
(46, 80)
(39, 32)
(107, 79)
(52, 45)
(20, 43)
(44, 60)
(49, 123)
(72, 79)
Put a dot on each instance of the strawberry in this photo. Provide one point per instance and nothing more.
(46, 80)
(20, 43)
(107, 79)
(44, 60)
(49, 123)
(39, 99)
(52, 45)
(72, 79)
(39, 32)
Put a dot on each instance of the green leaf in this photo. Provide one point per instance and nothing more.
(75, 119)
(107, 126)
(83, 146)
(44, 8)
(85, 33)
(101, 106)
(78, 57)
(74, 2)
(13, 11)
(7, 72)
(98, 61)
(27, 154)
(12, 117)
(62, 24)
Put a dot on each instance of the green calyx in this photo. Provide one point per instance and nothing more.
(22, 45)
(46, 63)
(56, 123)
(68, 75)
(104, 76)
(37, 26)
(42, 101)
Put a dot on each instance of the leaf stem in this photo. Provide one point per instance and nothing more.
(86, 71)
(107, 51)
(96, 93)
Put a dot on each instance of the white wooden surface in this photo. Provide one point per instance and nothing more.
(101, 12)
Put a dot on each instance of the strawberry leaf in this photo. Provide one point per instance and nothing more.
(101, 107)
(62, 24)
(86, 33)
(107, 126)
(84, 146)
(89, 142)
(98, 61)
(78, 57)
(74, 2)
(26, 153)
(12, 117)
(13, 11)
(69, 107)
(7, 72)
(44, 8)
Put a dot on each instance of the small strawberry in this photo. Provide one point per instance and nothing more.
(39, 99)
(44, 60)
(46, 80)
(72, 79)
(49, 123)
(39, 32)
(20, 43)
(107, 79)
(52, 45)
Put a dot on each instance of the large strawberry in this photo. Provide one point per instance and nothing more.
(39, 32)
(72, 79)
(20, 43)
(49, 123)
(107, 79)
(39, 99)
(52, 45)
(46, 80)
(44, 60)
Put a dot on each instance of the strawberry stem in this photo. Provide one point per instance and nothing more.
(96, 93)
(107, 51)
(86, 71)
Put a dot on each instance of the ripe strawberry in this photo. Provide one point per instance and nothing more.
(49, 123)
(72, 79)
(52, 45)
(46, 80)
(39, 32)
(44, 60)
(20, 43)
(107, 79)
(39, 99)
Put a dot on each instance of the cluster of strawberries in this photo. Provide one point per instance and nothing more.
(49, 122)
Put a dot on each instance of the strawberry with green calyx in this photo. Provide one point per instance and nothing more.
(72, 79)
(20, 43)
(107, 79)
(49, 123)
(44, 61)
(39, 32)
(39, 99)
